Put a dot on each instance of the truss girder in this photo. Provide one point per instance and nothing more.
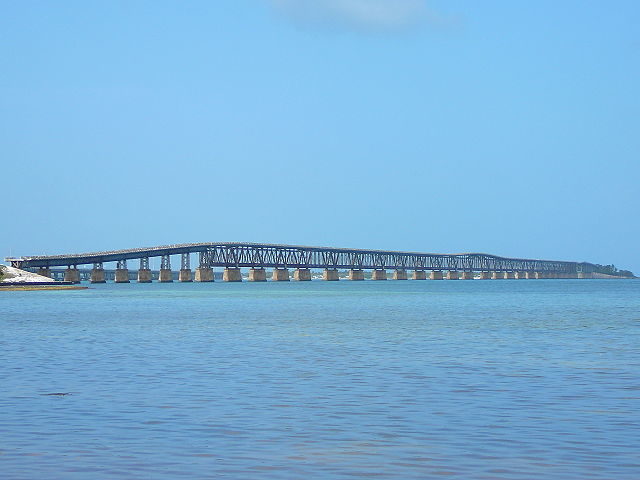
(226, 256)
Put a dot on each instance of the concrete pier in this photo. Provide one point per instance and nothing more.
(538, 275)
(466, 275)
(122, 275)
(72, 275)
(232, 274)
(257, 275)
(509, 275)
(531, 275)
(419, 275)
(330, 275)
(452, 275)
(280, 275)
(400, 274)
(379, 275)
(497, 275)
(302, 275)
(485, 275)
(204, 274)
(165, 276)
(45, 272)
(521, 275)
(356, 275)
(436, 275)
(585, 275)
(97, 276)
(144, 275)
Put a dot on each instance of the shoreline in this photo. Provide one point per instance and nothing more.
(39, 286)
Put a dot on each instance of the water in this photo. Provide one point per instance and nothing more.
(410, 380)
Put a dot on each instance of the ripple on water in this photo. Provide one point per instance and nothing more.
(411, 380)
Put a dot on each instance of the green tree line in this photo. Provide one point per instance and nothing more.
(612, 270)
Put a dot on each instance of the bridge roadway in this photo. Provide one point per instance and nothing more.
(257, 256)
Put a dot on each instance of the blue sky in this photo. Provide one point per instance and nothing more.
(502, 127)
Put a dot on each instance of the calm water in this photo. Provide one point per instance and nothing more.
(470, 379)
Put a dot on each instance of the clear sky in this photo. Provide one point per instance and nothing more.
(505, 127)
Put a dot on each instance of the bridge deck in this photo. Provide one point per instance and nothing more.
(242, 254)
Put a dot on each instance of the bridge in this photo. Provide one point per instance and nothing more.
(257, 257)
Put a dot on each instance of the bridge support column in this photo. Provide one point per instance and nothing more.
(453, 275)
(72, 274)
(485, 275)
(122, 272)
(531, 275)
(165, 275)
(436, 275)
(497, 275)
(330, 275)
(419, 275)
(521, 275)
(44, 271)
(400, 274)
(379, 274)
(257, 275)
(585, 275)
(466, 275)
(509, 275)
(232, 274)
(144, 272)
(302, 274)
(356, 274)
(204, 274)
(185, 268)
(97, 274)
(280, 275)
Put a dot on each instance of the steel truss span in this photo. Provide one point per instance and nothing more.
(227, 254)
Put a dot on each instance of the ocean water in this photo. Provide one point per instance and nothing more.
(513, 379)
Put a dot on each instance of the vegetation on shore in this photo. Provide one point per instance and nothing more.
(26, 287)
(612, 270)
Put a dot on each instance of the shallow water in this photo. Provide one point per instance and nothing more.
(418, 379)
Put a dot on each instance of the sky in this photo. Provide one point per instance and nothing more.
(510, 128)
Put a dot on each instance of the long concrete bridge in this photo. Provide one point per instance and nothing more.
(302, 259)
